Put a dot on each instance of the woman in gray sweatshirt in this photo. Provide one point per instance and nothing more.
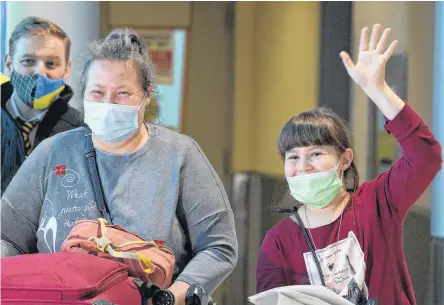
(157, 183)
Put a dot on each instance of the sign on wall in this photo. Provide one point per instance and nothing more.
(160, 45)
(166, 48)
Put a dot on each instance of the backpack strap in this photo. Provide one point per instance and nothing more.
(90, 155)
(104, 244)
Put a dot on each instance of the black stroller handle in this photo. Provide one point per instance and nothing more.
(196, 295)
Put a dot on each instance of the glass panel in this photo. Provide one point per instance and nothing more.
(167, 51)
(3, 40)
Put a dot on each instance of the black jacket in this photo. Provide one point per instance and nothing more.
(60, 117)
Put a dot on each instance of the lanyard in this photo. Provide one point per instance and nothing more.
(311, 247)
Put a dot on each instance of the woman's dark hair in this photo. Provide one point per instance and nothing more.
(320, 126)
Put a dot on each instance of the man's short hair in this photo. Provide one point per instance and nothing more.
(31, 26)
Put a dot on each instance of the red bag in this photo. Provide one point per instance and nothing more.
(65, 278)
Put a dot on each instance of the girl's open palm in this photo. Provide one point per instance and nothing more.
(369, 71)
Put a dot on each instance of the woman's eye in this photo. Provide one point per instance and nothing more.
(123, 93)
(96, 92)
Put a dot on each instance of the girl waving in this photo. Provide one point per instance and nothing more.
(345, 236)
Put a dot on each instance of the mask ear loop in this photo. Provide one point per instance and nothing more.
(140, 106)
(342, 177)
(143, 99)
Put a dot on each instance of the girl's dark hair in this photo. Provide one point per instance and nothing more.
(320, 126)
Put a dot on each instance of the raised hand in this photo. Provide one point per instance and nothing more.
(369, 71)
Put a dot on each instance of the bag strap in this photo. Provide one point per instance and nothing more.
(372, 301)
(90, 154)
(104, 244)
(310, 246)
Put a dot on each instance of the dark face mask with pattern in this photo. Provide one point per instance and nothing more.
(36, 90)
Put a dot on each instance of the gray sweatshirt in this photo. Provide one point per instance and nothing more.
(156, 192)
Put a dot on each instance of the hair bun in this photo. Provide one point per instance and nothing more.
(135, 40)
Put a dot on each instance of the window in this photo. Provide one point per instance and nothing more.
(167, 52)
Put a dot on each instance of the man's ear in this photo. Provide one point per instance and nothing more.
(8, 64)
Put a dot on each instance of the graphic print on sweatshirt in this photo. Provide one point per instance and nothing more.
(68, 201)
(343, 266)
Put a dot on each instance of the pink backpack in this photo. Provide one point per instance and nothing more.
(65, 278)
(150, 261)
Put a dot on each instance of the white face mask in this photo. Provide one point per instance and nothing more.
(112, 123)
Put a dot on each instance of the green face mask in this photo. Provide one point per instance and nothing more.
(315, 190)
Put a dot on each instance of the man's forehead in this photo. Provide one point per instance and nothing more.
(40, 46)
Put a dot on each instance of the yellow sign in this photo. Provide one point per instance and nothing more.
(386, 147)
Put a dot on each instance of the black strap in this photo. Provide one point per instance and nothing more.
(146, 289)
(372, 301)
(310, 246)
(90, 154)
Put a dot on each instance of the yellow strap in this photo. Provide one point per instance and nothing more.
(105, 245)
(136, 242)
(104, 222)
(146, 262)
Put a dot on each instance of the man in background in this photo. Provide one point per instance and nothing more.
(34, 102)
